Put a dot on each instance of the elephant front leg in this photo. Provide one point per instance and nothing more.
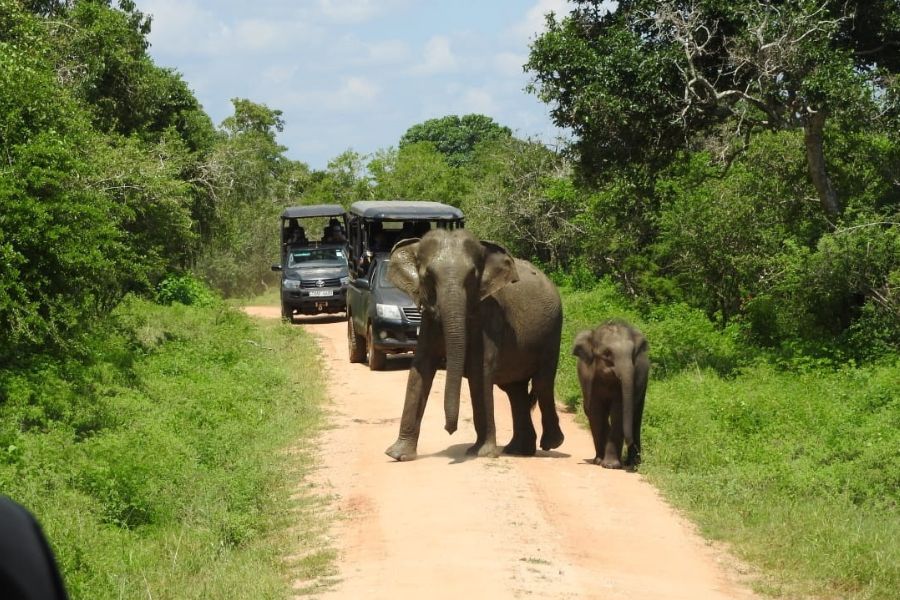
(598, 418)
(418, 386)
(481, 389)
(524, 439)
(612, 458)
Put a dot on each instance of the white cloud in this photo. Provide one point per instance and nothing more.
(349, 11)
(353, 94)
(177, 25)
(478, 100)
(509, 64)
(356, 89)
(536, 18)
(438, 57)
(388, 51)
(279, 74)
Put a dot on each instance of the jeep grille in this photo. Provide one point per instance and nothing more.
(413, 315)
(313, 283)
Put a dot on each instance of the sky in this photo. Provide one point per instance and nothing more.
(356, 74)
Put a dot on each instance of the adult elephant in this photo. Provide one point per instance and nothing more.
(493, 319)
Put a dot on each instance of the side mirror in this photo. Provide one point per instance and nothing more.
(362, 283)
(276, 267)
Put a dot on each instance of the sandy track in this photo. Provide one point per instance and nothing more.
(447, 526)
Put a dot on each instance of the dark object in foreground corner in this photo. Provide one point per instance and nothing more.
(28, 570)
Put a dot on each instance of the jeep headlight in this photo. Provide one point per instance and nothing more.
(345, 280)
(291, 284)
(388, 311)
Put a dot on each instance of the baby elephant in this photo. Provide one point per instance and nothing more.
(613, 368)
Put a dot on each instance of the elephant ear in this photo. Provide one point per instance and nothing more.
(583, 346)
(403, 270)
(499, 269)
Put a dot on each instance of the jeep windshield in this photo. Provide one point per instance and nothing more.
(302, 257)
(381, 275)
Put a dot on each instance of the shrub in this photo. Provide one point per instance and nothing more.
(185, 289)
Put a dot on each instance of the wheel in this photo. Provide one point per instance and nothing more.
(356, 344)
(376, 357)
(287, 315)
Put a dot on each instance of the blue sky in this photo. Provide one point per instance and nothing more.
(356, 73)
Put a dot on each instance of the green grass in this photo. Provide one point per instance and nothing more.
(798, 471)
(155, 455)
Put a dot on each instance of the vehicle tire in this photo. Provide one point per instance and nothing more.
(356, 344)
(377, 358)
(287, 315)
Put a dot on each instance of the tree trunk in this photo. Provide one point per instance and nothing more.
(813, 137)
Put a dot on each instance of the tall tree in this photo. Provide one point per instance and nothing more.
(456, 137)
(416, 172)
(650, 77)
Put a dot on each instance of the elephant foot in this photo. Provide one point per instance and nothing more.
(632, 459)
(608, 464)
(402, 450)
(483, 449)
(519, 448)
(551, 439)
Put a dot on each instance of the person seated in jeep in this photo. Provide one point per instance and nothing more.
(334, 233)
(295, 234)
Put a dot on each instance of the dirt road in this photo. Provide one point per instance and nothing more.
(448, 526)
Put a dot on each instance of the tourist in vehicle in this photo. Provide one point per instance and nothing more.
(334, 233)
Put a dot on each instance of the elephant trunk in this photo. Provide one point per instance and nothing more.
(453, 316)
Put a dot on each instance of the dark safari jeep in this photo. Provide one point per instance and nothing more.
(313, 260)
(381, 319)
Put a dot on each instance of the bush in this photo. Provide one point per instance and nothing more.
(185, 289)
(151, 453)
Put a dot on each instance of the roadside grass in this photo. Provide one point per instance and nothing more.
(155, 454)
(271, 297)
(796, 469)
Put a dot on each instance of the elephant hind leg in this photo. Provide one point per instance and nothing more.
(551, 434)
(524, 439)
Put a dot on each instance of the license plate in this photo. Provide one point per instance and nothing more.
(320, 293)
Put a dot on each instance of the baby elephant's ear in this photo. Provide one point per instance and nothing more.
(583, 347)
(404, 267)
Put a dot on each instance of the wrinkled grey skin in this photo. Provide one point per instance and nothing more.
(496, 320)
(613, 368)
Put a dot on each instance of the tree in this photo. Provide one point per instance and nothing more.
(456, 137)
(343, 182)
(522, 195)
(652, 77)
(250, 181)
(86, 214)
(416, 172)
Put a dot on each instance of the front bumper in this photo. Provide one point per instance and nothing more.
(315, 300)
(394, 336)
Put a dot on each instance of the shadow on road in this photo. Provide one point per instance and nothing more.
(318, 319)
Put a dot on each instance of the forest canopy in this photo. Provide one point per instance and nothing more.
(740, 158)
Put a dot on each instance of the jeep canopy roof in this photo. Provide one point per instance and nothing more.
(315, 210)
(405, 210)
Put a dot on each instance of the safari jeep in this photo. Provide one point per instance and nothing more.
(381, 319)
(313, 260)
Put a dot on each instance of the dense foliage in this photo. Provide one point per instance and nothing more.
(456, 137)
(113, 176)
(740, 156)
(151, 452)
